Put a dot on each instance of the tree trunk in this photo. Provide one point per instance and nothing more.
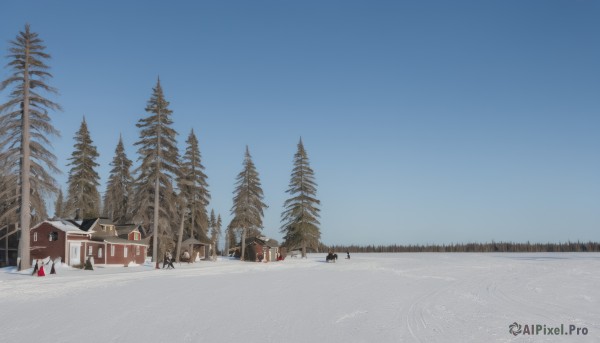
(214, 254)
(226, 248)
(157, 192)
(155, 228)
(180, 236)
(193, 227)
(243, 250)
(6, 247)
(24, 243)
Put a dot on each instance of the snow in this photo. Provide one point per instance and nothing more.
(63, 226)
(370, 298)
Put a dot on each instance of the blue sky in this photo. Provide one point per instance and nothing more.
(425, 121)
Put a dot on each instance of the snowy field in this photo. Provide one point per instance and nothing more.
(370, 298)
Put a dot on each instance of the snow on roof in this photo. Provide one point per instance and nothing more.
(63, 225)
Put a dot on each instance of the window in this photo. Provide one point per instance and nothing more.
(35, 236)
(99, 252)
(137, 250)
(124, 251)
(53, 236)
(90, 250)
(112, 250)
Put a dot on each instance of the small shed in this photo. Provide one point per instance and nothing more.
(261, 249)
(195, 248)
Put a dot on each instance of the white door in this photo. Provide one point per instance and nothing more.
(75, 254)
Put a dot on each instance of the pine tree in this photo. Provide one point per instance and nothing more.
(83, 180)
(215, 225)
(25, 131)
(59, 204)
(182, 208)
(300, 223)
(9, 195)
(159, 166)
(231, 238)
(248, 206)
(182, 211)
(195, 188)
(119, 189)
(218, 231)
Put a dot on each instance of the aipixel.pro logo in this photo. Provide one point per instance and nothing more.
(516, 329)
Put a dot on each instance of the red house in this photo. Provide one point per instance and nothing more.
(75, 241)
(261, 249)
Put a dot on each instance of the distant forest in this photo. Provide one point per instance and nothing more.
(471, 247)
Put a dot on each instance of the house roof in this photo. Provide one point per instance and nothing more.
(72, 221)
(263, 241)
(125, 229)
(272, 243)
(63, 225)
(105, 221)
(192, 241)
(88, 224)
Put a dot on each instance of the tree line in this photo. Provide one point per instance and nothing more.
(167, 193)
(471, 247)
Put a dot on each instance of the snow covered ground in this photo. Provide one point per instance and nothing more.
(370, 298)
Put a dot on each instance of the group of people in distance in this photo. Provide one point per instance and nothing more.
(38, 268)
(168, 260)
(332, 256)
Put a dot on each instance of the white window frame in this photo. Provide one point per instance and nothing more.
(35, 236)
(100, 252)
(124, 251)
(112, 250)
(90, 250)
(137, 250)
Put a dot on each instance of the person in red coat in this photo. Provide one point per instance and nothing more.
(41, 271)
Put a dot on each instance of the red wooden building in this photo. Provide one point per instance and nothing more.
(261, 249)
(75, 241)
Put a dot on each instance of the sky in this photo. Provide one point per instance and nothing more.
(426, 122)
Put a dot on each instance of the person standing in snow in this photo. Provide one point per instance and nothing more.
(170, 262)
(41, 271)
(348, 253)
(35, 267)
(89, 264)
(166, 260)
